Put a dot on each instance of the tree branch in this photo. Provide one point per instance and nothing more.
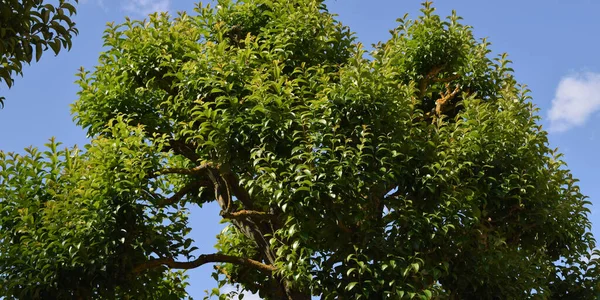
(184, 149)
(224, 272)
(201, 260)
(445, 98)
(223, 180)
(249, 213)
(183, 171)
(424, 83)
(239, 191)
(222, 192)
(178, 195)
(213, 173)
(208, 180)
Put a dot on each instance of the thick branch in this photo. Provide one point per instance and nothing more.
(445, 98)
(425, 81)
(184, 149)
(204, 259)
(222, 192)
(239, 191)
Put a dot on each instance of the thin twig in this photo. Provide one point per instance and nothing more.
(249, 213)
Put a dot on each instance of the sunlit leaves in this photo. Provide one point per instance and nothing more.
(70, 220)
(415, 171)
(29, 28)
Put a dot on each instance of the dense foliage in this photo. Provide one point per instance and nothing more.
(416, 170)
(30, 27)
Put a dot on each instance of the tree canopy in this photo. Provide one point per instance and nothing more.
(415, 170)
(30, 27)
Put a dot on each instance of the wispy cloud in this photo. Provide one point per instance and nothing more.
(145, 7)
(100, 3)
(577, 98)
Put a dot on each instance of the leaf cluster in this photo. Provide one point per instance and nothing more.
(30, 27)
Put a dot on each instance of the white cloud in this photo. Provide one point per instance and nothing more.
(145, 7)
(577, 98)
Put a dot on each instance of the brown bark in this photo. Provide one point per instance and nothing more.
(204, 259)
(445, 98)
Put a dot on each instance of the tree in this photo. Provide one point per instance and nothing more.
(27, 29)
(417, 170)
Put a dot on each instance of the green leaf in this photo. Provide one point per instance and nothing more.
(38, 51)
(351, 285)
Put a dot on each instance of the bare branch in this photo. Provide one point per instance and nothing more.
(224, 182)
(249, 213)
(183, 171)
(445, 98)
(213, 178)
(178, 195)
(202, 180)
(201, 260)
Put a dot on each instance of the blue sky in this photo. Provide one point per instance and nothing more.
(552, 43)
